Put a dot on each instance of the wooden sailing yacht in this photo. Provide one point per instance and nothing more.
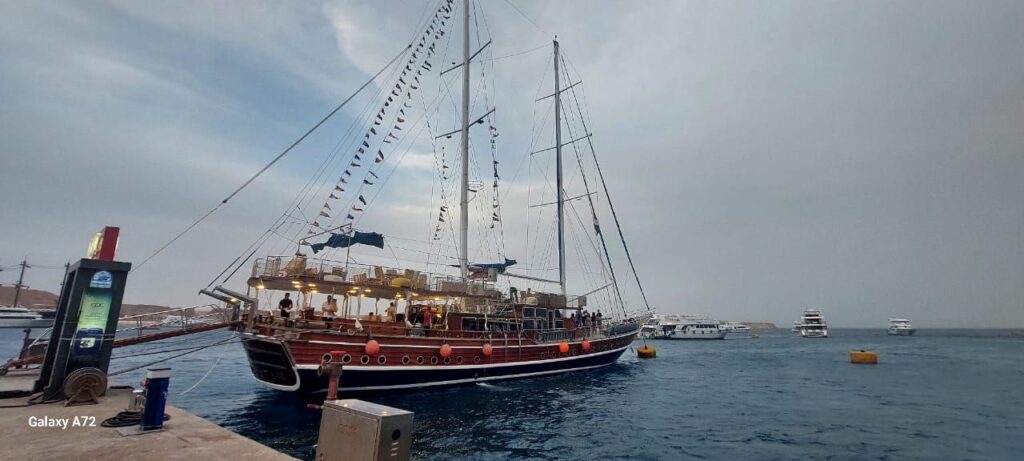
(440, 329)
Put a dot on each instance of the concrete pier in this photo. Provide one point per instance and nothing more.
(185, 436)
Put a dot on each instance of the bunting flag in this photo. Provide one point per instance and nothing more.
(400, 120)
(324, 214)
(347, 173)
(373, 174)
(350, 217)
(392, 135)
(363, 200)
(339, 189)
(316, 224)
(327, 206)
(355, 208)
(399, 128)
(333, 197)
(366, 144)
(354, 164)
(358, 157)
(360, 150)
(310, 232)
(373, 130)
(376, 122)
(344, 181)
(367, 182)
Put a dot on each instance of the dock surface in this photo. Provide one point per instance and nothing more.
(185, 436)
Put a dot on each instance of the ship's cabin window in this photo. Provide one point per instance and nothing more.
(471, 324)
(528, 312)
(541, 313)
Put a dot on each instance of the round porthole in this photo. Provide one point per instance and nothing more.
(476, 359)
(419, 360)
(433, 360)
(447, 360)
(364, 359)
(405, 360)
(382, 360)
(346, 359)
(459, 360)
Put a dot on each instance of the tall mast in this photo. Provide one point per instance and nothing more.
(558, 175)
(464, 194)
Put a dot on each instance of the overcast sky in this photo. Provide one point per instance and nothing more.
(865, 158)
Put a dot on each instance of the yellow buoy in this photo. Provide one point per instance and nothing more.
(646, 352)
(864, 357)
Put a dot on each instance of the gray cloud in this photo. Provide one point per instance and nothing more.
(864, 158)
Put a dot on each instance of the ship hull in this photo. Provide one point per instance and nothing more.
(273, 364)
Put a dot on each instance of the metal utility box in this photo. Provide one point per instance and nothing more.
(354, 430)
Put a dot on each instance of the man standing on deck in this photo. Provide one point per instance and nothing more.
(285, 306)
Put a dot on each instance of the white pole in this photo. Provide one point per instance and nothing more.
(464, 197)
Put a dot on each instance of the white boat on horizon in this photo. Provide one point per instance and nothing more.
(900, 327)
(21, 317)
(736, 329)
(811, 325)
(682, 327)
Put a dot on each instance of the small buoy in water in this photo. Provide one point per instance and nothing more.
(646, 352)
(864, 357)
(755, 336)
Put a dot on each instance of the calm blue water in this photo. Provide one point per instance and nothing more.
(941, 394)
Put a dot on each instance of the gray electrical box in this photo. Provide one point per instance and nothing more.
(354, 430)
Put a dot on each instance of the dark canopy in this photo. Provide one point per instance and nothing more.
(344, 240)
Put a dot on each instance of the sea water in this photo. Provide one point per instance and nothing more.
(940, 394)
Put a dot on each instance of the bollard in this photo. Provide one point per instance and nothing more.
(157, 381)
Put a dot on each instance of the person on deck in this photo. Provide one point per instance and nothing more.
(330, 307)
(390, 312)
(427, 317)
(285, 306)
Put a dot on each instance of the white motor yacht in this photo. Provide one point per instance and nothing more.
(900, 327)
(811, 325)
(682, 327)
(20, 317)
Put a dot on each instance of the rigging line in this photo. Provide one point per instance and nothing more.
(531, 50)
(513, 5)
(126, 370)
(272, 162)
(593, 212)
(608, 197)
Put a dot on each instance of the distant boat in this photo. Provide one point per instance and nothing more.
(811, 325)
(682, 327)
(20, 317)
(900, 327)
(736, 328)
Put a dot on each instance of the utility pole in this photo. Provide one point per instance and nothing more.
(21, 278)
